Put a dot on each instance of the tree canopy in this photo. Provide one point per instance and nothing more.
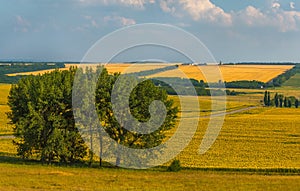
(42, 111)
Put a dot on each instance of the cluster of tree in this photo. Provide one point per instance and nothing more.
(280, 100)
(42, 113)
(263, 63)
(19, 67)
(244, 84)
(183, 87)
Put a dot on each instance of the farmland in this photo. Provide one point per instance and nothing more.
(229, 72)
(257, 149)
(263, 73)
(112, 68)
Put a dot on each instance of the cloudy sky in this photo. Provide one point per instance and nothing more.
(233, 30)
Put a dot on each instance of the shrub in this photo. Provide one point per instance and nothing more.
(174, 166)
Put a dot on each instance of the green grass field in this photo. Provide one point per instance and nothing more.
(293, 82)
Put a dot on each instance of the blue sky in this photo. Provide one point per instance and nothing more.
(63, 30)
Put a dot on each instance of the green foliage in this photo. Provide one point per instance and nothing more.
(18, 67)
(174, 166)
(244, 84)
(140, 99)
(133, 99)
(41, 110)
(280, 100)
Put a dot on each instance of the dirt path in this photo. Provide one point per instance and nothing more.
(6, 136)
(229, 112)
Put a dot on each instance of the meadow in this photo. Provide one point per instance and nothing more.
(257, 149)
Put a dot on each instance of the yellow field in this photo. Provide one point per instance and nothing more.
(37, 177)
(5, 128)
(230, 73)
(259, 138)
(112, 68)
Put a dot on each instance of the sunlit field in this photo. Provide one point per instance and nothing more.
(37, 177)
(258, 138)
(111, 68)
(229, 72)
(5, 128)
(257, 149)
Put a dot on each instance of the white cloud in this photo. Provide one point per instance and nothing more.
(276, 5)
(251, 16)
(207, 11)
(198, 10)
(121, 21)
(282, 20)
(292, 5)
(167, 6)
(132, 3)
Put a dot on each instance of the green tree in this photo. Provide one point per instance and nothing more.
(289, 103)
(276, 100)
(280, 101)
(140, 98)
(266, 98)
(296, 103)
(41, 110)
(285, 103)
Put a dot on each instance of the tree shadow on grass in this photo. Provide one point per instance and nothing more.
(8, 158)
(14, 159)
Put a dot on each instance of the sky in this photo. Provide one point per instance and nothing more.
(232, 30)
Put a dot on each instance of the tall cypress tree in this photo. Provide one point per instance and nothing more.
(281, 101)
(285, 103)
(266, 98)
(276, 100)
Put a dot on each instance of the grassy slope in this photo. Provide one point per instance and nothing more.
(293, 82)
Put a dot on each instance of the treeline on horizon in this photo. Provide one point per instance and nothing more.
(20, 67)
(262, 63)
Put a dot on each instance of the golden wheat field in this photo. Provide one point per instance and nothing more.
(230, 73)
(111, 67)
(259, 138)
